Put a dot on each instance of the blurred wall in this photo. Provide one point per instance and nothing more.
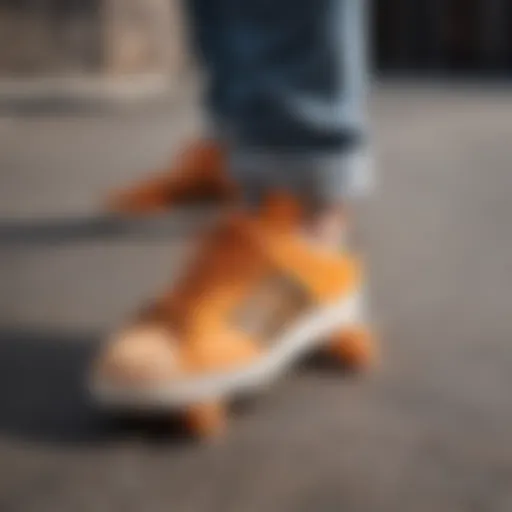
(443, 35)
(89, 36)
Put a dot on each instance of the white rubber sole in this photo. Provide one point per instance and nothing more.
(306, 334)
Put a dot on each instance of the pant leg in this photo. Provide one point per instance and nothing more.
(209, 40)
(290, 82)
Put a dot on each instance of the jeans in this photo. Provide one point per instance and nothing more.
(287, 91)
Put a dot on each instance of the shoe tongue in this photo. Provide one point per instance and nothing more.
(281, 211)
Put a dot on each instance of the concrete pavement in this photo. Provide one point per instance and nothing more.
(431, 430)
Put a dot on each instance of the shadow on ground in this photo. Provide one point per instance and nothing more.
(184, 222)
(43, 395)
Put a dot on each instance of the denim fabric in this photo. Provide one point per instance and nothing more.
(287, 89)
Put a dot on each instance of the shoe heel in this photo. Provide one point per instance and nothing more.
(206, 420)
(354, 348)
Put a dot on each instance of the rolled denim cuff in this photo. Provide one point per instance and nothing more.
(318, 179)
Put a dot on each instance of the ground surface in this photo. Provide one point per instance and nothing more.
(430, 431)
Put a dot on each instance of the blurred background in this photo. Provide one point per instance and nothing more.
(94, 94)
(450, 36)
(112, 37)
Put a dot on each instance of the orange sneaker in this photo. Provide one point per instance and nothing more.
(257, 298)
(197, 175)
